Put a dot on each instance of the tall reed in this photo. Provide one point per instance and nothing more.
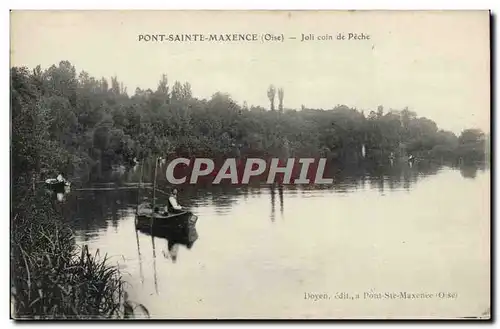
(53, 278)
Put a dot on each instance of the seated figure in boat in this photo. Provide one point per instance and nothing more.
(172, 205)
(61, 179)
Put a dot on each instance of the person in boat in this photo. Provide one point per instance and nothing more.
(172, 205)
(60, 178)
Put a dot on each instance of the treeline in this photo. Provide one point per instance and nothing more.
(84, 121)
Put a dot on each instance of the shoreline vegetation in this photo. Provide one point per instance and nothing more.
(52, 277)
(64, 121)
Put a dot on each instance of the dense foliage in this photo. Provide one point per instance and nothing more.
(87, 121)
(50, 276)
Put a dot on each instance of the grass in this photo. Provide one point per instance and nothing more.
(53, 278)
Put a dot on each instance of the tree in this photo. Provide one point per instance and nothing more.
(271, 93)
(104, 85)
(380, 111)
(186, 91)
(281, 94)
(471, 136)
(115, 86)
(177, 91)
(163, 85)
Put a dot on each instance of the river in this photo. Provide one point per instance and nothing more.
(307, 252)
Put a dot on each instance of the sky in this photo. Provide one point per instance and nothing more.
(436, 63)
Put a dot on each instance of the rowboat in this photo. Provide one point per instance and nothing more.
(54, 184)
(179, 232)
(179, 222)
(175, 224)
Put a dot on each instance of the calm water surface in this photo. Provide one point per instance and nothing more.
(261, 250)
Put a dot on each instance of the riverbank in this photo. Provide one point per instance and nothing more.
(53, 278)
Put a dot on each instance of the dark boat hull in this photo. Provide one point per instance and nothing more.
(185, 236)
(176, 228)
(55, 185)
(178, 222)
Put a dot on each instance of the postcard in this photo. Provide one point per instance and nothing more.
(250, 165)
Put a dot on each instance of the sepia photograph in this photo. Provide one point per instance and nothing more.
(250, 165)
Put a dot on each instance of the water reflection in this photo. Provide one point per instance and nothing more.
(468, 171)
(174, 239)
(272, 188)
(154, 264)
(242, 231)
(90, 210)
(61, 193)
(280, 193)
(141, 273)
(273, 201)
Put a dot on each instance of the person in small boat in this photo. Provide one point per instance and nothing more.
(172, 205)
(60, 178)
